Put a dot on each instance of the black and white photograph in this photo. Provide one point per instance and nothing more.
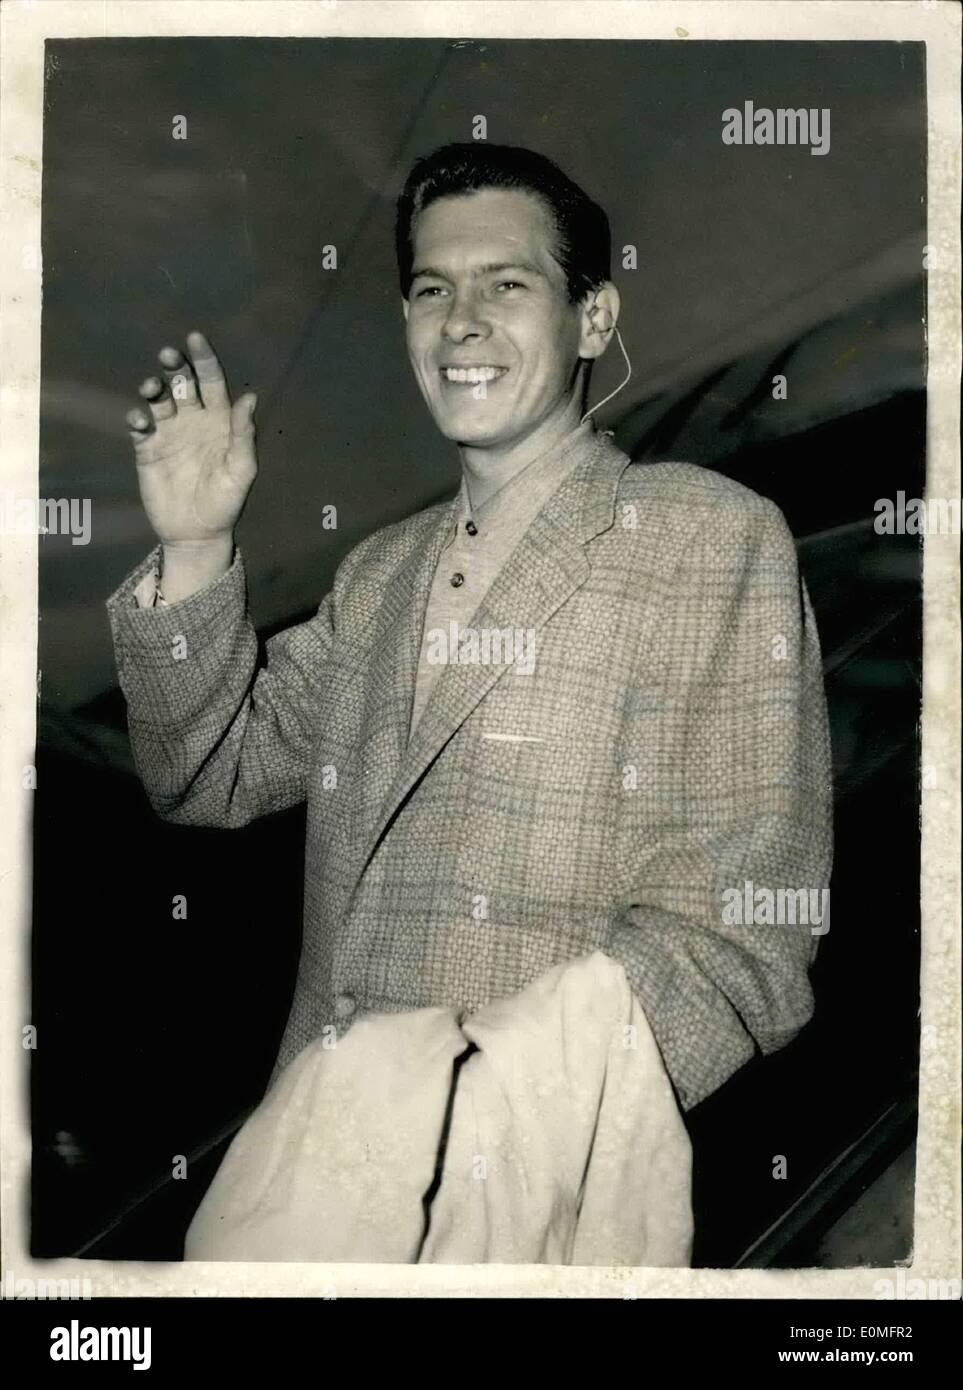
(478, 802)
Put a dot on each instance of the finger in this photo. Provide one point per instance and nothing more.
(159, 400)
(179, 376)
(242, 416)
(139, 424)
(241, 456)
(208, 370)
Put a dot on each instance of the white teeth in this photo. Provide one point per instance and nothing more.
(474, 375)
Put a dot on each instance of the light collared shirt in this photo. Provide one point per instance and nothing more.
(481, 540)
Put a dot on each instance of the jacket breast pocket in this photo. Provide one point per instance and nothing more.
(538, 822)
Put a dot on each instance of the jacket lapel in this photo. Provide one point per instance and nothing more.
(546, 568)
(394, 652)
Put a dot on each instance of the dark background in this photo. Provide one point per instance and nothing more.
(158, 1035)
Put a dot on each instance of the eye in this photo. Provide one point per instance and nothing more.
(510, 285)
(429, 290)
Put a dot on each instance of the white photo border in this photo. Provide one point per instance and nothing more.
(24, 25)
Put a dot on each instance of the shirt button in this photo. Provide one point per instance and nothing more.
(471, 528)
(457, 580)
(345, 1005)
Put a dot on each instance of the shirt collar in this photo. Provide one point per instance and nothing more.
(526, 491)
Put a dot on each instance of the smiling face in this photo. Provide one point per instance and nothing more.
(492, 335)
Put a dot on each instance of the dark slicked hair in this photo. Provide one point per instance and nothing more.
(584, 245)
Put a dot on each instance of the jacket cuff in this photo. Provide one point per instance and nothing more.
(142, 629)
(151, 645)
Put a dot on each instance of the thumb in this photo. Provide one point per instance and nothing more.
(242, 415)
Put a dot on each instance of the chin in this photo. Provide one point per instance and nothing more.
(461, 428)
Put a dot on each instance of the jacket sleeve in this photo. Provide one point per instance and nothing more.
(215, 741)
(731, 795)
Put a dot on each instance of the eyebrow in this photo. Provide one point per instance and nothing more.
(492, 269)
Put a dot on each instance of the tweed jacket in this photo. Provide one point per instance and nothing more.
(668, 743)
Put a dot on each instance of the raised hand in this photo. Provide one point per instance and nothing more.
(194, 450)
(196, 461)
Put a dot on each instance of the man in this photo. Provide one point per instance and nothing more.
(564, 713)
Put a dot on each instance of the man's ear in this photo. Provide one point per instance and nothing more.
(599, 315)
(404, 308)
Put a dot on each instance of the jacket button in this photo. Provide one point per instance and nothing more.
(457, 580)
(471, 528)
(345, 1005)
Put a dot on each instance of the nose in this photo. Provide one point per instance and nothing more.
(465, 320)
